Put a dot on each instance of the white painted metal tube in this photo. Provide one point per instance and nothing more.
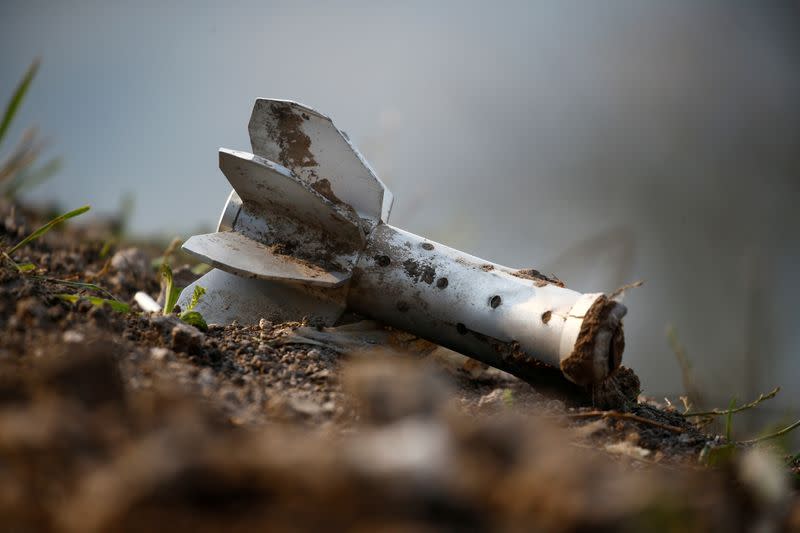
(483, 309)
(305, 235)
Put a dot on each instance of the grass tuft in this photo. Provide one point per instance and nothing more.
(17, 172)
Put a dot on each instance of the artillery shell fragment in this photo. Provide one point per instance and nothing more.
(305, 234)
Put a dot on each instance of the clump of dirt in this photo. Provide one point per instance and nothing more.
(580, 365)
(540, 279)
(136, 422)
(620, 390)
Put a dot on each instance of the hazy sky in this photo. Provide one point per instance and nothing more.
(654, 140)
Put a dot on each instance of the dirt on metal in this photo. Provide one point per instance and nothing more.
(294, 143)
(580, 364)
(323, 186)
(540, 279)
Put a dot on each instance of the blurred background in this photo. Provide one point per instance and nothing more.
(634, 140)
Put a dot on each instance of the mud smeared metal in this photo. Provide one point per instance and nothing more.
(318, 217)
(294, 144)
(310, 145)
(323, 186)
(540, 279)
(601, 341)
(450, 298)
(419, 272)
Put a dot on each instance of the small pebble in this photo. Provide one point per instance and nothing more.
(159, 353)
(73, 336)
(131, 260)
(186, 338)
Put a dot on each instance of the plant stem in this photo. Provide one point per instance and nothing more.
(626, 416)
(78, 284)
(777, 434)
(716, 412)
(693, 393)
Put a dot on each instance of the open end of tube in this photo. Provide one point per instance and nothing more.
(600, 343)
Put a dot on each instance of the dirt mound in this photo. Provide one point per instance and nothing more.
(136, 422)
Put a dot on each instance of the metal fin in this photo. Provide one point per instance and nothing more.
(310, 146)
(235, 253)
(270, 187)
(229, 297)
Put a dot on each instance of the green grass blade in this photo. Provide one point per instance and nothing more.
(47, 227)
(116, 305)
(729, 420)
(17, 98)
(170, 291)
(107, 246)
(779, 433)
(78, 285)
(71, 298)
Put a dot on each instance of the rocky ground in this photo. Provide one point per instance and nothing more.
(114, 421)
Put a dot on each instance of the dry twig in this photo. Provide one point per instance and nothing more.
(775, 435)
(716, 412)
(626, 416)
